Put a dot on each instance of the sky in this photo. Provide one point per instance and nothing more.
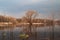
(17, 8)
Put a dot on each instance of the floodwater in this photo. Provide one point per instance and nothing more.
(42, 33)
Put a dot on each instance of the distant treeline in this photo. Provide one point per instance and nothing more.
(19, 20)
(47, 21)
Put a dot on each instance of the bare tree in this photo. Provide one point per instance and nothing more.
(30, 15)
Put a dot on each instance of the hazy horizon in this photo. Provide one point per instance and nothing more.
(17, 8)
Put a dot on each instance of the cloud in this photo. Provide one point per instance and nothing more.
(21, 2)
(17, 8)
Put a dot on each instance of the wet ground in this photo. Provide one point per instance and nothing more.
(41, 33)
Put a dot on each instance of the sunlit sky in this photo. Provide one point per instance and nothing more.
(17, 8)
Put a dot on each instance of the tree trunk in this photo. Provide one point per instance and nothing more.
(30, 31)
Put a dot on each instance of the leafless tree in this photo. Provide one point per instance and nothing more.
(29, 16)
